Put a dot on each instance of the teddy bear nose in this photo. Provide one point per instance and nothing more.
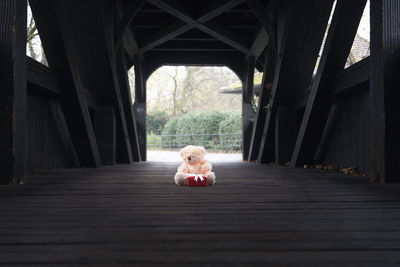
(189, 158)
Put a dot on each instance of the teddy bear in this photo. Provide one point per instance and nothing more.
(194, 163)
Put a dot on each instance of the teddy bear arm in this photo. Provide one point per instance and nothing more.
(206, 167)
(182, 168)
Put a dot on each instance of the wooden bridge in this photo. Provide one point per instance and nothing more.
(256, 215)
(77, 189)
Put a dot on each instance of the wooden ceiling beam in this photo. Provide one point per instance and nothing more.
(225, 36)
(216, 8)
(260, 43)
(261, 14)
(174, 45)
(125, 36)
(165, 35)
(176, 9)
(132, 10)
(183, 13)
(130, 44)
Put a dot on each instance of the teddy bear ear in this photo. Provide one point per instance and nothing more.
(203, 150)
(181, 152)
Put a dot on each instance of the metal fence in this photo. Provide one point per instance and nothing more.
(227, 142)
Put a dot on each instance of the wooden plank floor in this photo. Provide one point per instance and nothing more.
(254, 216)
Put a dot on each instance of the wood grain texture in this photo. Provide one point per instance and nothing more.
(126, 98)
(255, 215)
(384, 93)
(262, 107)
(301, 27)
(340, 37)
(57, 41)
(139, 107)
(44, 80)
(12, 91)
(48, 138)
(247, 105)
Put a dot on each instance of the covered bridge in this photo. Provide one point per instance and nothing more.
(78, 190)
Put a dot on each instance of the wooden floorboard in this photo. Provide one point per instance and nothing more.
(255, 215)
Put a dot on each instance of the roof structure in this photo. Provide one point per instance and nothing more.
(195, 32)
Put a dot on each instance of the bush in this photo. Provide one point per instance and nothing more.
(204, 122)
(209, 123)
(231, 124)
(171, 126)
(156, 121)
(230, 132)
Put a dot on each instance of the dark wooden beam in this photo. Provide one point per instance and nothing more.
(139, 107)
(300, 33)
(56, 40)
(233, 60)
(285, 134)
(336, 50)
(384, 93)
(131, 11)
(126, 36)
(184, 13)
(260, 43)
(111, 56)
(194, 35)
(130, 45)
(327, 134)
(91, 100)
(214, 45)
(13, 91)
(164, 35)
(263, 16)
(178, 9)
(42, 77)
(248, 113)
(225, 36)
(268, 75)
(348, 80)
(127, 104)
(63, 132)
(106, 134)
(216, 8)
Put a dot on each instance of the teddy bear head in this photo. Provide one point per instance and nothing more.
(192, 154)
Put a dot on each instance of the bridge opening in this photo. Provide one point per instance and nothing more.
(194, 105)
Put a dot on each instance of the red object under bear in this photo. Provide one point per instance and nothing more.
(197, 180)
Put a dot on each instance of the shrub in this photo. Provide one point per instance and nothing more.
(170, 128)
(209, 123)
(156, 121)
(231, 124)
(230, 132)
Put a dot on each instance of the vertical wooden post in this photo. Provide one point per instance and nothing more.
(127, 104)
(258, 128)
(300, 29)
(285, 134)
(12, 91)
(57, 37)
(384, 91)
(140, 106)
(63, 132)
(247, 105)
(105, 129)
(337, 46)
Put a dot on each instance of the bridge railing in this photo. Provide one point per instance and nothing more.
(227, 142)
